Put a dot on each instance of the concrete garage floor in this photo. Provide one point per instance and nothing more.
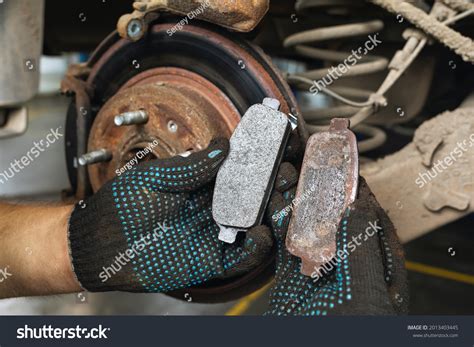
(431, 293)
(108, 304)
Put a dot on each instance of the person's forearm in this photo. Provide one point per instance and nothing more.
(34, 257)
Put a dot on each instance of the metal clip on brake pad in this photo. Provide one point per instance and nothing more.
(245, 179)
(327, 186)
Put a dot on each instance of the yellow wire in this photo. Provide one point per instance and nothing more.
(438, 272)
(240, 307)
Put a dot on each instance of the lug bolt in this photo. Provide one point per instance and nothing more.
(131, 118)
(99, 156)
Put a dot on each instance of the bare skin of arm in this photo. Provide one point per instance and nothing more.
(34, 256)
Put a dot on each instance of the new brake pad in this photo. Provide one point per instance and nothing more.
(245, 180)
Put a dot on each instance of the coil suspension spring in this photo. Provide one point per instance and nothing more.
(320, 80)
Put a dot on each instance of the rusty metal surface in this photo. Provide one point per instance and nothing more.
(436, 27)
(195, 107)
(251, 60)
(430, 182)
(244, 74)
(327, 186)
(72, 85)
(242, 15)
(178, 84)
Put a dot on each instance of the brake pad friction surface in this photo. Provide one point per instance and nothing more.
(327, 186)
(245, 179)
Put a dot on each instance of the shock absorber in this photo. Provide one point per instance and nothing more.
(356, 63)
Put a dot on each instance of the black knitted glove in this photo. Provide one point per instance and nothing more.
(371, 279)
(151, 229)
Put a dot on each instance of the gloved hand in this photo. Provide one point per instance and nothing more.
(370, 280)
(151, 229)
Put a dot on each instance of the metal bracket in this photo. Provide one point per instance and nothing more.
(242, 15)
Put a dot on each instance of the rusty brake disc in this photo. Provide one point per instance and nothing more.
(194, 85)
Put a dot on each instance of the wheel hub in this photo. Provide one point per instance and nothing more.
(185, 112)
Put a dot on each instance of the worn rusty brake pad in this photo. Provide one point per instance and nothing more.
(327, 186)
